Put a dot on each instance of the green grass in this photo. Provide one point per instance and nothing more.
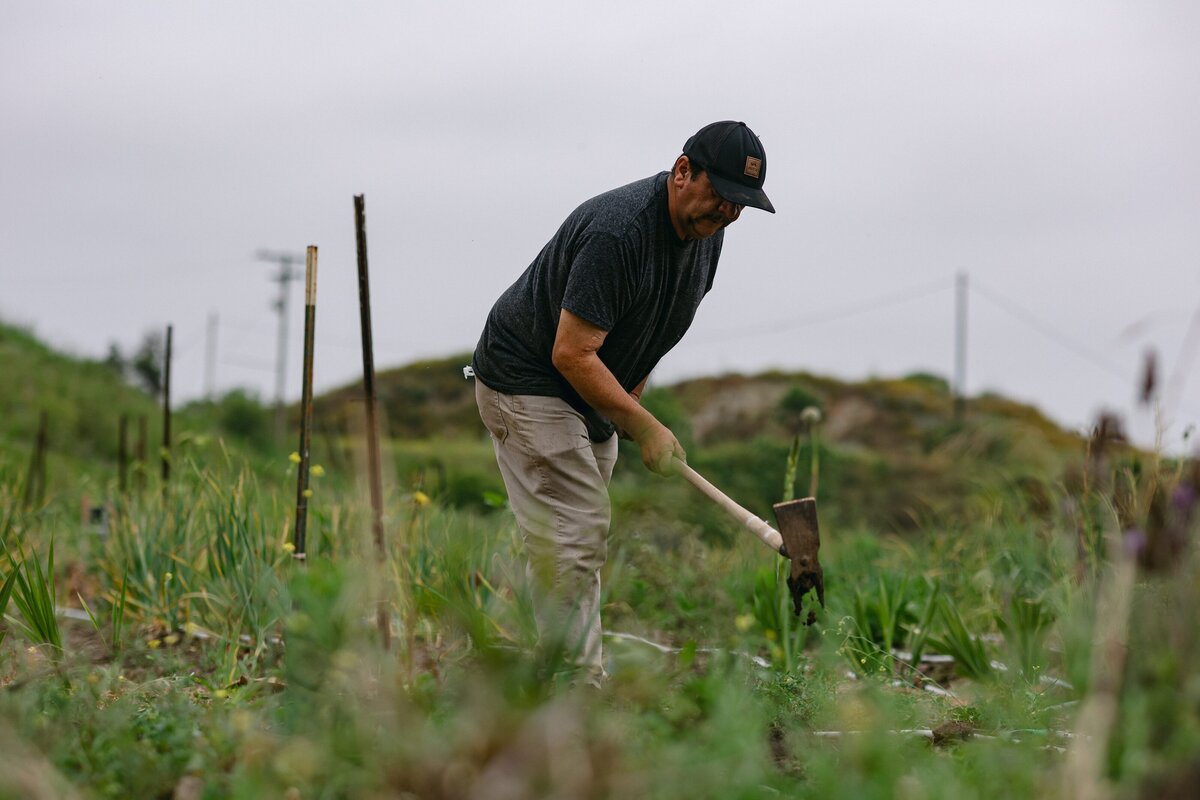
(463, 696)
(209, 655)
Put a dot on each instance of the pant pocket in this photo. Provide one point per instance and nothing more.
(549, 423)
(488, 401)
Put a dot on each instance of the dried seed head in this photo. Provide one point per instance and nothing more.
(1149, 376)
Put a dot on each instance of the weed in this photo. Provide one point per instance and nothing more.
(33, 593)
(1025, 626)
(970, 655)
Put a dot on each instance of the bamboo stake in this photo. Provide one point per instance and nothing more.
(166, 401)
(302, 486)
(368, 353)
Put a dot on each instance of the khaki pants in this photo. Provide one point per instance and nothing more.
(557, 481)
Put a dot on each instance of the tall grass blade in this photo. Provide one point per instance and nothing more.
(6, 591)
(789, 479)
(34, 596)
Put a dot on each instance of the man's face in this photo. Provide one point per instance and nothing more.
(701, 211)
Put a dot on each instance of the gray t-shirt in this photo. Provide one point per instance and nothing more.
(617, 263)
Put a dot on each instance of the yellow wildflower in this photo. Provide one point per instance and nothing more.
(420, 498)
(171, 639)
(317, 470)
(167, 577)
(308, 492)
(744, 622)
(294, 457)
(288, 547)
(221, 693)
(153, 644)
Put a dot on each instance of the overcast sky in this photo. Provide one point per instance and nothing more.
(1046, 149)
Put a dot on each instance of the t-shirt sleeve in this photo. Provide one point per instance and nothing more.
(600, 287)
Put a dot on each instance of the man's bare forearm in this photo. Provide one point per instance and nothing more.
(576, 357)
(600, 389)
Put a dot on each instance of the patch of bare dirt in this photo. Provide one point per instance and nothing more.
(735, 406)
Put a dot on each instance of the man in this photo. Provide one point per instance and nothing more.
(567, 349)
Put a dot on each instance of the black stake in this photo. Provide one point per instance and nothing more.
(35, 482)
(122, 452)
(139, 455)
(166, 401)
(368, 353)
(310, 319)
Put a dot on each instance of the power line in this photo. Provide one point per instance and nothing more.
(259, 364)
(836, 314)
(1047, 330)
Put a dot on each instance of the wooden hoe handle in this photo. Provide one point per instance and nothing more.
(769, 536)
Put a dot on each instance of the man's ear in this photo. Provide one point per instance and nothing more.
(681, 172)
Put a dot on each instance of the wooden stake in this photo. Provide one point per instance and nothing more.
(310, 319)
(368, 353)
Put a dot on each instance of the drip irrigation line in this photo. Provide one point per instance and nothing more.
(758, 661)
(836, 314)
(1047, 330)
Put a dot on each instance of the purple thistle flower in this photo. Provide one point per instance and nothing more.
(1134, 541)
(1183, 498)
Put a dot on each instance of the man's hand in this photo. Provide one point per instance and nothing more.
(658, 445)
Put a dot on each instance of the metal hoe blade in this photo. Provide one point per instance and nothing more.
(797, 520)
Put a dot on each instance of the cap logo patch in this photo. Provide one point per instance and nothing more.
(753, 166)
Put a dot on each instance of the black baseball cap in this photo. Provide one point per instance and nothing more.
(735, 161)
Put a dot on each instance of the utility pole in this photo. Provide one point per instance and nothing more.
(284, 277)
(960, 345)
(210, 359)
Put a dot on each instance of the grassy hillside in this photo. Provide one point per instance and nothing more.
(891, 454)
(83, 401)
(422, 400)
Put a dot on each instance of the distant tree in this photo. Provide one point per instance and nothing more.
(243, 415)
(793, 404)
(147, 362)
(115, 360)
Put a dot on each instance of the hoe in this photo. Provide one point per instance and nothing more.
(797, 539)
